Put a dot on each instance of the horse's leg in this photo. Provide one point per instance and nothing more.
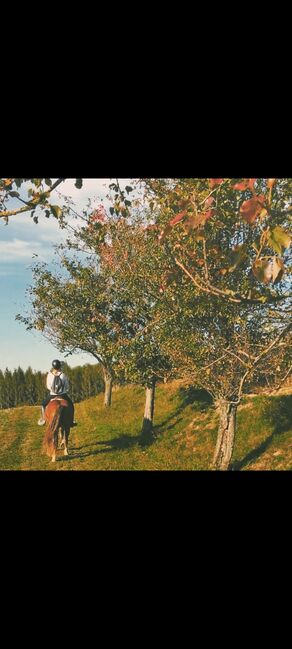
(65, 438)
(55, 442)
(61, 438)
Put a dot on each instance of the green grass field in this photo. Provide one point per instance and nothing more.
(185, 430)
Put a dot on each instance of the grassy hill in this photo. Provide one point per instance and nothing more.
(185, 427)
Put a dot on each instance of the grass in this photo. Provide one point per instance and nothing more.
(185, 434)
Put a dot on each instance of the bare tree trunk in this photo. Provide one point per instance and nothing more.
(226, 435)
(108, 386)
(147, 426)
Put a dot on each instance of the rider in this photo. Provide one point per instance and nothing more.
(55, 391)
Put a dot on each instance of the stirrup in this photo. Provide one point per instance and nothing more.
(41, 422)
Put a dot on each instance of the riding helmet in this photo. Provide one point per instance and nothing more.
(56, 365)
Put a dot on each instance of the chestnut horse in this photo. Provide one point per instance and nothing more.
(58, 416)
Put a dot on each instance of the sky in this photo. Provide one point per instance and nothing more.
(20, 241)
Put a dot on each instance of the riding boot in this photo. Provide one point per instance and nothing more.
(42, 420)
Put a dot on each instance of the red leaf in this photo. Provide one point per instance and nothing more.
(196, 220)
(251, 183)
(240, 186)
(209, 201)
(215, 181)
(99, 214)
(251, 208)
(177, 218)
(209, 214)
(247, 183)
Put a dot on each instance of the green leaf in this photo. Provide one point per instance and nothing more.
(128, 189)
(48, 181)
(14, 194)
(79, 183)
(279, 239)
(56, 210)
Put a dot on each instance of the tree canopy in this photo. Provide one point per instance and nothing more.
(193, 281)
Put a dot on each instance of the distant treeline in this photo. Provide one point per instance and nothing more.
(27, 387)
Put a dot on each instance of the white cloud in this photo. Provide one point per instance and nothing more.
(18, 250)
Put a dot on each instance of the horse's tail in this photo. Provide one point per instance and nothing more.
(51, 430)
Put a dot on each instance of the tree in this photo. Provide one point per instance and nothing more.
(30, 383)
(75, 313)
(230, 240)
(226, 352)
(122, 249)
(9, 394)
(21, 389)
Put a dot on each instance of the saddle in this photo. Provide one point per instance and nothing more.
(60, 399)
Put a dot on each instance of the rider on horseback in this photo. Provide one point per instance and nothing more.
(58, 384)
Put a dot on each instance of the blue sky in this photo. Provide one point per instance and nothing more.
(20, 240)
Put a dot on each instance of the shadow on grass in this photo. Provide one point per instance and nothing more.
(277, 414)
(162, 427)
(199, 398)
(119, 443)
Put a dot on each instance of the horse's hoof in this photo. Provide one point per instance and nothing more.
(53, 459)
(65, 452)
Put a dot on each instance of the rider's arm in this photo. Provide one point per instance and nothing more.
(50, 379)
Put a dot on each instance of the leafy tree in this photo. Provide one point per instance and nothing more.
(2, 387)
(75, 313)
(121, 250)
(230, 240)
(21, 389)
(125, 254)
(30, 383)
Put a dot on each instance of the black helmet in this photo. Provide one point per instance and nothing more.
(56, 365)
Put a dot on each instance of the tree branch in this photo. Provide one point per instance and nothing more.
(29, 205)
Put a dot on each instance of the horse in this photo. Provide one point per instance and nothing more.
(58, 416)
